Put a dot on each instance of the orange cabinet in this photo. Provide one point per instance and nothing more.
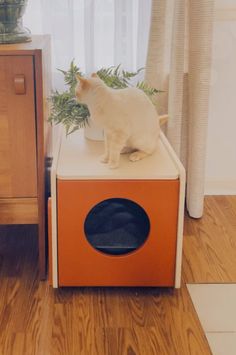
(119, 227)
(86, 262)
(25, 86)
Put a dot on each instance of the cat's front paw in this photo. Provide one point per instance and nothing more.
(113, 165)
(138, 155)
(104, 159)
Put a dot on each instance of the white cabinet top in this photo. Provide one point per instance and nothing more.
(79, 159)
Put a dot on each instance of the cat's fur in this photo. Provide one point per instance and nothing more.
(128, 117)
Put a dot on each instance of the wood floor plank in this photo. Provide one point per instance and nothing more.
(62, 334)
(209, 251)
(14, 344)
(37, 320)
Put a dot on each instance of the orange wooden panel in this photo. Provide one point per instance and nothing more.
(153, 264)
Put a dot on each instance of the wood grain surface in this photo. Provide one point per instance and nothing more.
(18, 177)
(18, 210)
(25, 143)
(35, 319)
(210, 243)
(28, 48)
(43, 74)
(25, 134)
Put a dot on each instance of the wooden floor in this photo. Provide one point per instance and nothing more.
(35, 319)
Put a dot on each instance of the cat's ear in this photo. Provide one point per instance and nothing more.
(94, 75)
(78, 77)
(83, 81)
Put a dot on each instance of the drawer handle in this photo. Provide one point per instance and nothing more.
(19, 84)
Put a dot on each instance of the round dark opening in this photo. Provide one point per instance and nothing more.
(116, 226)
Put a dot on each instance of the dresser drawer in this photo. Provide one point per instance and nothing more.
(19, 210)
(18, 168)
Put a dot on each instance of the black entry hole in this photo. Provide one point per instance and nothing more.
(117, 226)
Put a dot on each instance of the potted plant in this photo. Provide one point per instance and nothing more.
(11, 25)
(74, 115)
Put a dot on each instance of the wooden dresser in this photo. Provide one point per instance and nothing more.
(25, 135)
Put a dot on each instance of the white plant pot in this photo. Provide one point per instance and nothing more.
(93, 132)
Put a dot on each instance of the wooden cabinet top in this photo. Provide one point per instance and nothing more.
(30, 48)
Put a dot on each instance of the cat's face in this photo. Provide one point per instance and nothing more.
(85, 88)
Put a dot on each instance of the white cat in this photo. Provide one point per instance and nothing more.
(128, 117)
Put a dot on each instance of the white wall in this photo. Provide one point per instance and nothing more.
(221, 149)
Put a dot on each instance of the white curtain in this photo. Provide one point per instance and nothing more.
(96, 33)
(181, 65)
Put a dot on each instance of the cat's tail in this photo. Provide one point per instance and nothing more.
(163, 119)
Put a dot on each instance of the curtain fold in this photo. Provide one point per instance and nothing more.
(156, 47)
(200, 51)
(89, 36)
(110, 32)
(143, 21)
(123, 41)
(94, 33)
(189, 82)
(175, 99)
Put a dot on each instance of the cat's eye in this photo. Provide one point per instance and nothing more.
(117, 226)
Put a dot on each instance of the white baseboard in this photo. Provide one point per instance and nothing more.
(220, 187)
